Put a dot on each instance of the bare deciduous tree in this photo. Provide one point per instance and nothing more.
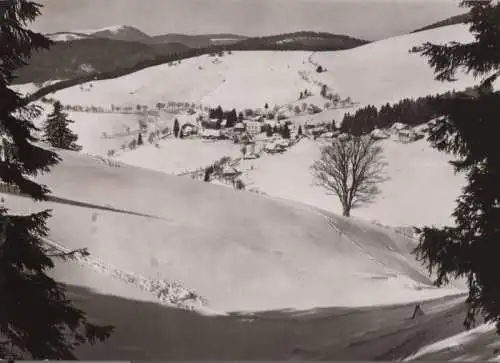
(352, 170)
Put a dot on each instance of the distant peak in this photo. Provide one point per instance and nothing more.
(111, 28)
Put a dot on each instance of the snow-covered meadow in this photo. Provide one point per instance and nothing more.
(237, 250)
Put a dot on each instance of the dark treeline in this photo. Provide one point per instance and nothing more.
(409, 111)
(305, 40)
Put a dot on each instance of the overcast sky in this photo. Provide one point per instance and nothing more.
(368, 19)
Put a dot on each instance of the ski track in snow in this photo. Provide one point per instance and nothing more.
(165, 292)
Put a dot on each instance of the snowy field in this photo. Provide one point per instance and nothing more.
(418, 177)
(237, 250)
(385, 71)
(174, 156)
(98, 133)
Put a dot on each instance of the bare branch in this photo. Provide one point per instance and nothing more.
(352, 170)
(55, 252)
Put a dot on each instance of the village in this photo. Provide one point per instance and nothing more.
(256, 132)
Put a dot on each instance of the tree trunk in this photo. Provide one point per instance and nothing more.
(346, 211)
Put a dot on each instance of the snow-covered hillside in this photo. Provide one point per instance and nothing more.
(112, 28)
(378, 72)
(67, 36)
(383, 71)
(479, 344)
(238, 250)
(418, 177)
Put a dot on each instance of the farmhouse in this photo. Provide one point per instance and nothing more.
(409, 135)
(398, 126)
(245, 138)
(210, 134)
(188, 129)
(330, 135)
(313, 109)
(379, 134)
(277, 146)
(230, 172)
(251, 156)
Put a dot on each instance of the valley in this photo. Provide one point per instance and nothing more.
(208, 236)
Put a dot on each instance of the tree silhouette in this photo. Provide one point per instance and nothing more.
(352, 170)
(176, 128)
(57, 132)
(37, 321)
(469, 131)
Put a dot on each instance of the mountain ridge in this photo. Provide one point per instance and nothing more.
(76, 54)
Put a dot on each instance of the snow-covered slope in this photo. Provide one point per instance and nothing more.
(479, 344)
(112, 28)
(383, 71)
(418, 177)
(238, 80)
(238, 250)
(67, 36)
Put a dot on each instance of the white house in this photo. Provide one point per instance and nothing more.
(253, 127)
(329, 135)
(239, 127)
(409, 135)
(229, 171)
(398, 126)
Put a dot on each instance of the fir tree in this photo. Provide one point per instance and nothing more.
(219, 113)
(468, 129)
(299, 131)
(324, 90)
(334, 126)
(37, 321)
(139, 139)
(57, 132)
(176, 128)
(285, 131)
(269, 131)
